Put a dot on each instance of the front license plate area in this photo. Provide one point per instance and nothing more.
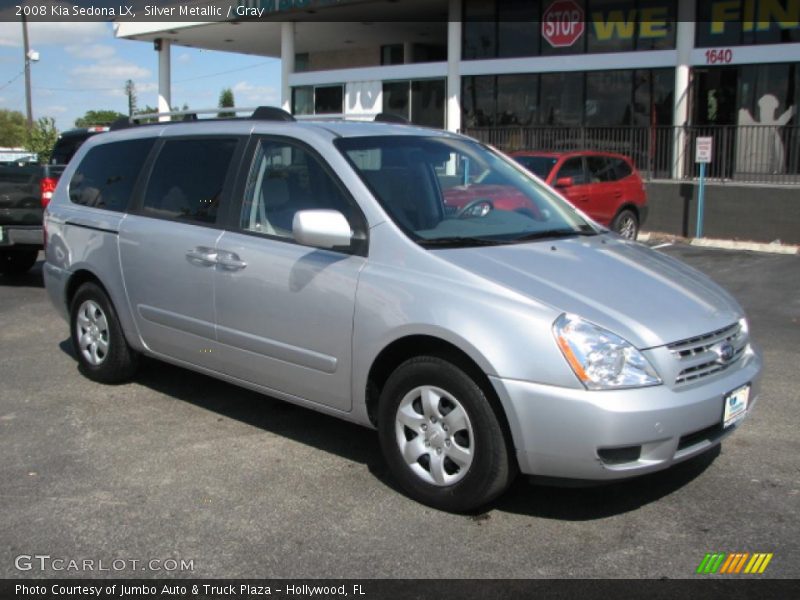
(735, 406)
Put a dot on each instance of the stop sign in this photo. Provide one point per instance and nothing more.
(562, 23)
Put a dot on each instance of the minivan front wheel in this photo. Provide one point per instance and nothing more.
(103, 352)
(441, 437)
(626, 224)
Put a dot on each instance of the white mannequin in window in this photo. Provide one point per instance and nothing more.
(760, 149)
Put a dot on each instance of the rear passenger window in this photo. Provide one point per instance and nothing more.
(188, 178)
(107, 174)
(601, 169)
(285, 179)
(622, 168)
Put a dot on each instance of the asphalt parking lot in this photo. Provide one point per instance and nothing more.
(178, 465)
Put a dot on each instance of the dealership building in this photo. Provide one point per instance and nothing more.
(471, 65)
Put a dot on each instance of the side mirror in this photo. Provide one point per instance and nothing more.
(321, 228)
(565, 182)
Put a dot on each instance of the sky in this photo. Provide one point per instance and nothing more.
(82, 66)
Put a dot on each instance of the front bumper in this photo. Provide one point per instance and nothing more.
(579, 434)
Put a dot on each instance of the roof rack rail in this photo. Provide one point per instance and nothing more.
(390, 118)
(271, 113)
(260, 113)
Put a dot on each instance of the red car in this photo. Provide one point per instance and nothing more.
(605, 186)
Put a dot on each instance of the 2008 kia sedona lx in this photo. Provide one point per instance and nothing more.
(321, 263)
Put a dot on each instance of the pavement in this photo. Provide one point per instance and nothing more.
(179, 466)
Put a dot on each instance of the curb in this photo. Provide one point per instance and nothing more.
(772, 248)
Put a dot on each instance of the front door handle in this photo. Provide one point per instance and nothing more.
(230, 261)
(202, 254)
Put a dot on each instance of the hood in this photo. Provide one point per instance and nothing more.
(646, 297)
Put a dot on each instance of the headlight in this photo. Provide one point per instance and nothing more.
(600, 359)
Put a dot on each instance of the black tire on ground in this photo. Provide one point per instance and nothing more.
(626, 223)
(117, 362)
(17, 261)
(492, 467)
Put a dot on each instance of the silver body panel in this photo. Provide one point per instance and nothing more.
(306, 325)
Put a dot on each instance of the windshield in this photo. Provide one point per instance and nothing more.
(449, 191)
(538, 165)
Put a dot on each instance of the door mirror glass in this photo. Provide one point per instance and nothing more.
(321, 228)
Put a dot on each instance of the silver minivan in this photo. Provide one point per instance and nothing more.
(403, 278)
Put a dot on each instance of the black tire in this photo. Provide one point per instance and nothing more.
(15, 262)
(491, 469)
(626, 224)
(119, 361)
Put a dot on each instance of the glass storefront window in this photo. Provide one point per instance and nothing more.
(427, 102)
(513, 28)
(517, 99)
(612, 26)
(747, 22)
(303, 100)
(518, 28)
(595, 98)
(480, 30)
(478, 100)
(419, 101)
(608, 98)
(562, 99)
(329, 100)
(396, 99)
(746, 94)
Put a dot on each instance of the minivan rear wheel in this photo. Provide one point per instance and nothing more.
(441, 437)
(103, 352)
(626, 224)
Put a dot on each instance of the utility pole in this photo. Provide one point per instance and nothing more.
(27, 71)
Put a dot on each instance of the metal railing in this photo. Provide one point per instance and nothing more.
(766, 154)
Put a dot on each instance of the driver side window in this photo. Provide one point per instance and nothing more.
(284, 179)
(573, 167)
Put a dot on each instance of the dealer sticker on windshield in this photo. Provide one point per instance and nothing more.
(735, 406)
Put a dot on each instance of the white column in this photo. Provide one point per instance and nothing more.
(453, 110)
(164, 79)
(287, 63)
(408, 52)
(684, 46)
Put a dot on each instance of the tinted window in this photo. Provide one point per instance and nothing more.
(572, 167)
(107, 174)
(601, 169)
(188, 178)
(621, 168)
(538, 165)
(285, 179)
(329, 100)
(67, 146)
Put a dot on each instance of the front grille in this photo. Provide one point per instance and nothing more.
(697, 355)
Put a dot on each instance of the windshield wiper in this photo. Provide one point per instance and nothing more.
(458, 242)
(555, 233)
